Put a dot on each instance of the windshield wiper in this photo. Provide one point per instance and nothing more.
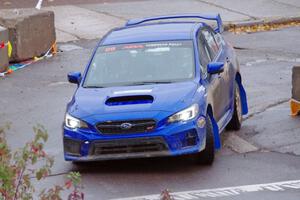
(93, 86)
(133, 83)
(150, 82)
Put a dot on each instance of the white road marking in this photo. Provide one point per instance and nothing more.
(225, 192)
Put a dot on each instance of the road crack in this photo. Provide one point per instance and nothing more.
(283, 153)
(286, 145)
(76, 36)
(241, 48)
(286, 4)
(266, 108)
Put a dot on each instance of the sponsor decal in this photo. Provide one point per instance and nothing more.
(110, 49)
(151, 45)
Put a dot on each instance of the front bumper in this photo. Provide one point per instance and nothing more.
(117, 149)
(170, 140)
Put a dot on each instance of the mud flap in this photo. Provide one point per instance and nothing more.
(217, 139)
(243, 96)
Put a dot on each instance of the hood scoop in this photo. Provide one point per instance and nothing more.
(129, 100)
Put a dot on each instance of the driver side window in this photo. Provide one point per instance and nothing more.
(213, 47)
(204, 56)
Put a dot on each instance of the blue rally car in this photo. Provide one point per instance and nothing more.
(160, 86)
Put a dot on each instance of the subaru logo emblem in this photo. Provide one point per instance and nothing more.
(126, 126)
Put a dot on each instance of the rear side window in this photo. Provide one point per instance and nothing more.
(212, 44)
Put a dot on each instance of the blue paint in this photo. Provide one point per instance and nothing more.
(215, 67)
(216, 132)
(243, 95)
(216, 18)
(74, 77)
(91, 105)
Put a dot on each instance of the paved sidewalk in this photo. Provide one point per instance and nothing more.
(91, 21)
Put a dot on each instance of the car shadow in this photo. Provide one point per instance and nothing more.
(141, 165)
(149, 165)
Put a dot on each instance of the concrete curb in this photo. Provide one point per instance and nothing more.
(259, 22)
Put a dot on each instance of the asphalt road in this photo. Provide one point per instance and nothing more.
(39, 93)
(11, 4)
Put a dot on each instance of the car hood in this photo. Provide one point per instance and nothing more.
(166, 97)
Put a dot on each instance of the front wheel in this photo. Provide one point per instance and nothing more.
(236, 120)
(207, 156)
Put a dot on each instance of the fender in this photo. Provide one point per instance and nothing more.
(217, 139)
(243, 94)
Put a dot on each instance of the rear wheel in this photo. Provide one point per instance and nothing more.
(236, 120)
(207, 156)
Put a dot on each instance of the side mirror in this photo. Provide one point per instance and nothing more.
(74, 77)
(215, 67)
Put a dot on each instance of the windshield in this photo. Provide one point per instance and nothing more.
(141, 63)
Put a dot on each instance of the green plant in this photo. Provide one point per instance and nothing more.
(165, 195)
(17, 169)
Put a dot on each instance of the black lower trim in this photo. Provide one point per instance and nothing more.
(125, 146)
(72, 147)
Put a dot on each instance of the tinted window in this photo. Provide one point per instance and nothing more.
(213, 46)
(126, 64)
(204, 56)
(219, 39)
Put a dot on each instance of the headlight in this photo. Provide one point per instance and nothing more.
(72, 122)
(185, 115)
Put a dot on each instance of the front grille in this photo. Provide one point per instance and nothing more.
(136, 145)
(128, 126)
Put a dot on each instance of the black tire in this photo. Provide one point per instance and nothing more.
(236, 120)
(207, 156)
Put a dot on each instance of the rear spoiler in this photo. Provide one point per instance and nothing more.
(216, 18)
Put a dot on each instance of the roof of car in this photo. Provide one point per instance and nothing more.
(151, 32)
